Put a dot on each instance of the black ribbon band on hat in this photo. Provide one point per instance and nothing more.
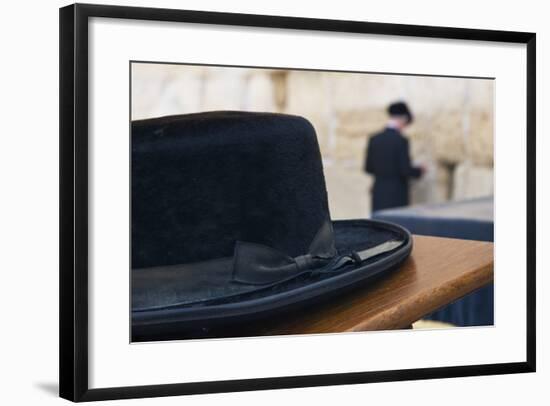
(257, 264)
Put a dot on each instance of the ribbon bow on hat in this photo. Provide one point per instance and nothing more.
(257, 264)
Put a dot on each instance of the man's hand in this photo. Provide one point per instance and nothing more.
(422, 169)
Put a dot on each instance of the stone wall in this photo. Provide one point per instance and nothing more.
(452, 134)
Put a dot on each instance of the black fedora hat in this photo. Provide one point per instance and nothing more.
(230, 222)
(400, 109)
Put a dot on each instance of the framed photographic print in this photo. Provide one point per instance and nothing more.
(301, 200)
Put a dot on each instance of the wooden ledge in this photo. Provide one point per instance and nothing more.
(438, 272)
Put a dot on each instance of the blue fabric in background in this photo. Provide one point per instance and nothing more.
(468, 220)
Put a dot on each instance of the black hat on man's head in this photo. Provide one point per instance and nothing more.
(400, 109)
(230, 222)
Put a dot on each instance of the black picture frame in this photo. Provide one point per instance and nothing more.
(73, 197)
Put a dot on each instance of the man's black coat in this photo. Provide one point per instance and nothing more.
(388, 160)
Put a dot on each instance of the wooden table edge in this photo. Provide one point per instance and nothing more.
(423, 302)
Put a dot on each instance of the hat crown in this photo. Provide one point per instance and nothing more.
(201, 182)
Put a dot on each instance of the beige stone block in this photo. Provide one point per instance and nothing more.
(481, 138)
(307, 95)
(448, 137)
(259, 92)
(348, 191)
(429, 95)
(433, 186)
(359, 91)
(472, 181)
(160, 90)
(307, 91)
(350, 149)
(482, 94)
(224, 89)
(360, 123)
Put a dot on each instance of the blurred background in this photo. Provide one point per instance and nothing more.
(451, 136)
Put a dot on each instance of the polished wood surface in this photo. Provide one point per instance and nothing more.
(439, 271)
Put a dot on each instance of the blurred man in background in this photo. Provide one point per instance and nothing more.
(388, 160)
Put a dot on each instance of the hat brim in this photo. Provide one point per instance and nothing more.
(183, 301)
